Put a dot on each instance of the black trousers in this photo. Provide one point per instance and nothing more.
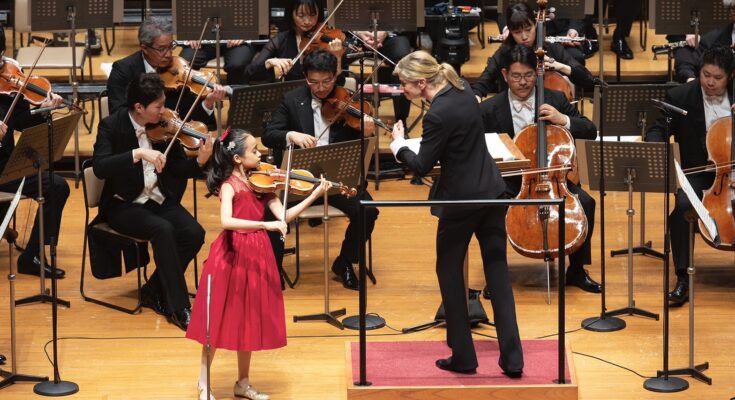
(236, 59)
(395, 48)
(453, 236)
(583, 256)
(55, 191)
(351, 243)
(679, 227)
(175, 236)
(626, 11)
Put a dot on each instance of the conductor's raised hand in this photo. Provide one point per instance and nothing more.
(398, 130)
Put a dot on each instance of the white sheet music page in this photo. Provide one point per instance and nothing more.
(497, 148)
(702, 212)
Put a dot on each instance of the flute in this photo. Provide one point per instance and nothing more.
(254, 42)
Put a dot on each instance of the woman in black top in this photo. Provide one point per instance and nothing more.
(522, 27)
(306, 16)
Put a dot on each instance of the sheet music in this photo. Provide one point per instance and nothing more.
(702, 212)
(495, 147)
(11, 209)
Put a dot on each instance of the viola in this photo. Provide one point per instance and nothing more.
(322, 40)
(192, 136)
(179, 74)
(341, 107)
(719, 199)
(11, 82)
(268, 179)
(533, 230)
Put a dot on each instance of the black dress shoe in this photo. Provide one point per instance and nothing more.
(2, 359)
(581, 279)
(679, 295)
(620, 47)
(343, 269)
(181, 318)
(446, 364)
(32, 266)
(151, 300)
(486, 293)
(513, 374)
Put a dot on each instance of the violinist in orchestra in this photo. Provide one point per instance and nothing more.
(143, 190)
(706, 99)
(522, 26)
(155, 36)
(512, 110)
(278, 54)
(299, 120)
(453, 135)
(55, 187)
(236, 53)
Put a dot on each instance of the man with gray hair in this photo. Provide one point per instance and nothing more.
(155, 55)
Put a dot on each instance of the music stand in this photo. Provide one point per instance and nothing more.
(670, 16)
(337, 162)
(38, 145)
(54, 15)
(13, 377)
(627, 111)
(251, 107)
(628, 166)
(368, 15)
(232, 19)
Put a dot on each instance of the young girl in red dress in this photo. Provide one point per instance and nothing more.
(246, 307)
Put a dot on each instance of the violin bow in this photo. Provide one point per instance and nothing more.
(287, 182)
(191, 66)
(25, 83)
(314, 36)
(188, 115)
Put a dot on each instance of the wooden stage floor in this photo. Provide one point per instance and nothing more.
(112, 355)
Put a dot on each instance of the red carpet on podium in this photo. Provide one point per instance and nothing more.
(411, 363)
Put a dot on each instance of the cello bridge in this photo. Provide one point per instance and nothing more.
(543, 187)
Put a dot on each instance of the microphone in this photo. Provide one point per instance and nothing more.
(43, 110)
(360, 54)
(668, 107)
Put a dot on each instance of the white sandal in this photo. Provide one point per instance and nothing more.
(249, 392)
(203, 393)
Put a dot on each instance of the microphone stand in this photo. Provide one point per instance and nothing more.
(57, 387)
(665, 383)
(603, 322)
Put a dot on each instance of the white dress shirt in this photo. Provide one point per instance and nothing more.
(151, 191)
(715, 107)
(524, 111)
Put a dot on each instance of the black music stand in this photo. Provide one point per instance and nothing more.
(232, 19)
(251, 107)
(676, 17)
(628, 111)
(38, 145)
(338, 162)
(13, 377)
(627, 163)
(54, 15)
(368, 15)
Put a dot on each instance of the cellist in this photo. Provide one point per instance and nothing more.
(706, 99)
(512, 110)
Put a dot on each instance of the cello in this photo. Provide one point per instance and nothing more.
(719, 199)
(533, 230)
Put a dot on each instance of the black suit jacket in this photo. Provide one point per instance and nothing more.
(491, 79)
(295, 114)
(130, 68)
(113, 162)
(497, 117)
(20, 120)
(283, 45)
(689, 131)
(454, 136)
(689, 65)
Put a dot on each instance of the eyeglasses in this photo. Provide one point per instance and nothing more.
(324, 83)
(526, 77)
(163, 50)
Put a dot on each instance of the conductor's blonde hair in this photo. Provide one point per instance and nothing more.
(421, 65)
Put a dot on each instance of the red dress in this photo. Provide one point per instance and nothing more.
(246, 306)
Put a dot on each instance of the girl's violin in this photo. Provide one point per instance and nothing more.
(192, 135)
(340, 106)
(179, 74)
(268, 179)
(11, 81)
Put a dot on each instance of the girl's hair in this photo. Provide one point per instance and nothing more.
(520, 16)
(421, 65)
(312, 6)
(222, 163)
